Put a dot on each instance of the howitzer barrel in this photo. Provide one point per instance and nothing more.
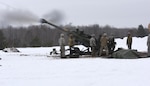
(45, 21)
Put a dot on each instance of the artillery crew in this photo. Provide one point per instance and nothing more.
(93, 44)
(71, 43)
(148, 41)
(129, 40)
(62, 45)
(104, 41)
(111, 44)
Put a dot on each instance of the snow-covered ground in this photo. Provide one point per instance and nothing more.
(32, 67)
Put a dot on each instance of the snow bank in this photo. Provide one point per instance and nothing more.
(139, 44)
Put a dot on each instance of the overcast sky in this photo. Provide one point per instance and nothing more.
(116, 13)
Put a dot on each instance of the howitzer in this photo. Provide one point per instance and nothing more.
(79, 36)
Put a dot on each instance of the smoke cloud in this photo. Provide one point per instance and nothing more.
(54, 16)
(18, 17)
(26, 17)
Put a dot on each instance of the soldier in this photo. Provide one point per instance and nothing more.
(93, 44)
(129, 40)
(148, 41)
(62, 45)
(111, 44)
(104, 41)
(149, 27)
(71, 43)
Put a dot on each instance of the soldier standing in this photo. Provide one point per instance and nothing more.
(93, 44)
(148, 41)
(62, 45)
(111, 44)
(104, 41)
(71, 43)
(129, 40)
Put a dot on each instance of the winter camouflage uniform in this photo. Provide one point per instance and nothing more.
(93, 44)
(62, 45)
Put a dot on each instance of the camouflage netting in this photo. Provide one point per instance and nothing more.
(125, 54)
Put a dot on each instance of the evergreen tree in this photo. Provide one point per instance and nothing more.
(141, 32)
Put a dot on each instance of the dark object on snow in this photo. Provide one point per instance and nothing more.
(53, 52)
(125, 54)
(11, 50)
(0, 58)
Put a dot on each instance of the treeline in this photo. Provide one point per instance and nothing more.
(46, 36)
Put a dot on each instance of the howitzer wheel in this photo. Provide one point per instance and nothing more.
(75, 53)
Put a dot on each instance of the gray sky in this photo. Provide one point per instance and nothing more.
(117, 13)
